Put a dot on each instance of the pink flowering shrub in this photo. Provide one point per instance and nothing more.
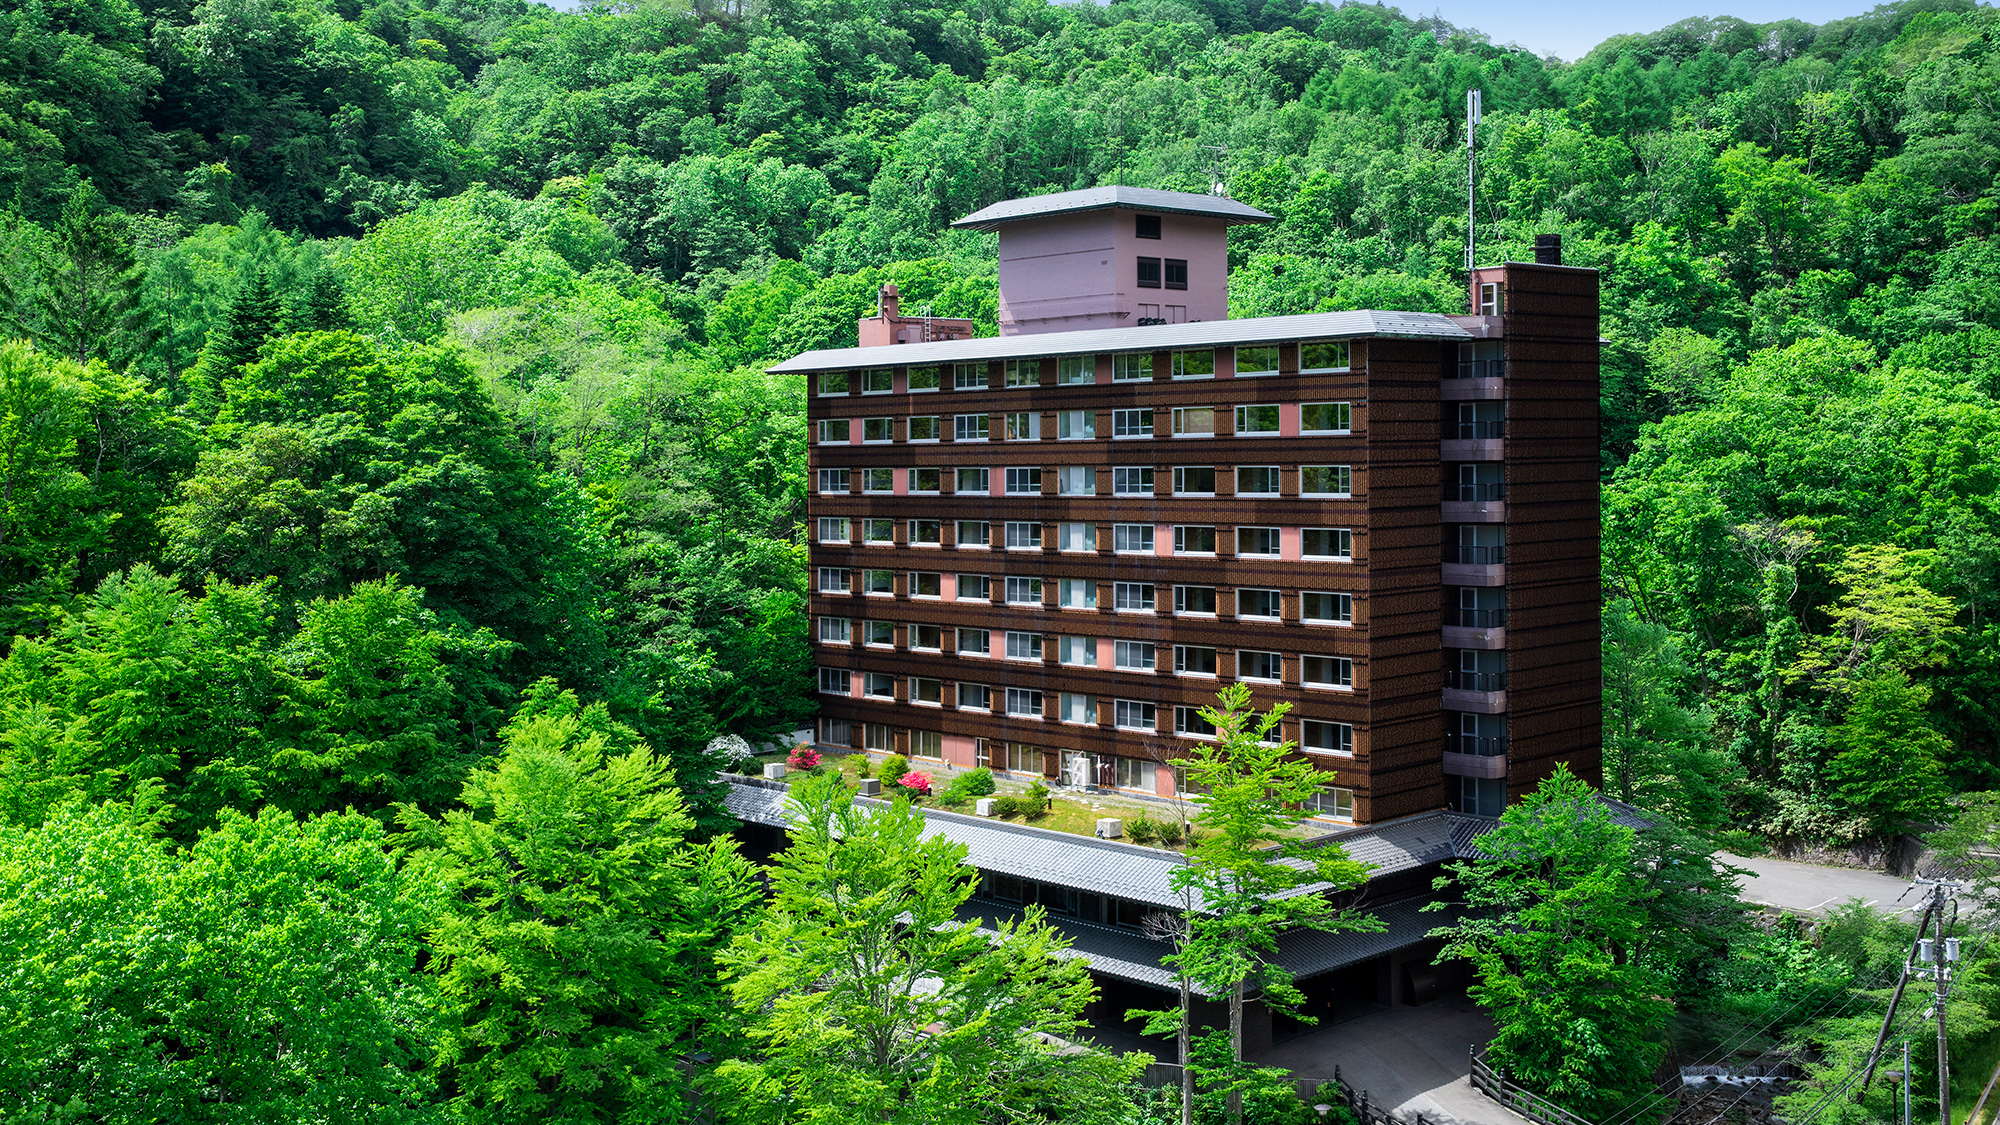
(915, 782)
(803, 758)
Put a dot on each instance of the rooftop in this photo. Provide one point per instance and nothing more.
(1099, 198)
(1153, 337)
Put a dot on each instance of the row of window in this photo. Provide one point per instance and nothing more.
(1335, 544)
(1332, 673)
(1076, 370)
(1315, 607)
(1316, 419)
(1318, 482)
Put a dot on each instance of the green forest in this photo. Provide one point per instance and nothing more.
(394, 510)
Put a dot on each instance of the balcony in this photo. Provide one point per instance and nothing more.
(1475, 380)
(1474, 441)
(1475, 566)
(1475, 628)
(1483, 693)
(1475, 765)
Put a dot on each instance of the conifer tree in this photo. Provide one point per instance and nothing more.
(85, 304)
(324, 307)
(253, 318)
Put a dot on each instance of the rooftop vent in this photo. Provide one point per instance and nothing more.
(1548, 249)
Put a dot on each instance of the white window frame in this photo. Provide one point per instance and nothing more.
(1346, 350)
(1339, 597)
(875, 375)
(1076, 708)
(1135, 656)
(827, 426)
(910, 380)
(1213, 594)
(1015, 373)
(937, 533)
(836, 631)
(981, 652)
(1025, 646)
(962, 425)
(1022, 480)
(910, 429)
(1180, 475)
(1136, 714)
(983, 542)
(969, 377)
(1125, 474)
(870, 525)
(1277, 597)
(1182, 361)
(1024, 535)
(1124, 535)
(1024, 703)
(1126, 367)
(1277, 424)
(1277, 479)
(1341, 473)
(1257, 372)
(1181, 536)
(1278, 657)
(1180, 661)
(936, 488)
(827, 476)
(834, 529)
(1345, 409)
(888, 429)
(1076, 370)
(985, 693)
(1118, 597)
(1343, 543)
(1084, 476)
(985, 582)
(1023, 425)
(1076, 425)
(1184, 416)
(844, 584)
(869, 476)
(1182, 717)
(1131, 423)
(1029, 588)
(1084, 649)
(1343, 738)
(1337, 664)
(1276, 536)
(1076, 538)
(827, 686)
(985, 478)
(1086, 586)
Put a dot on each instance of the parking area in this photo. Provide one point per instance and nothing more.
(1804, 888)
(1410, 1059)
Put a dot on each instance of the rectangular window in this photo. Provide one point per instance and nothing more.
(1132, 480)
(1149, 273)
(1194, 601)
(1327, 543)
(926, 691)
(926, 533)
(968, 377)
(833, 580)
(924, 427)
(1257, 541)
(878, 382)
(1132, 538)
(1024, 646)
(876, 431)
(1489, 298)
(1024, 425)
(878, 532)
(1326, 418)
(1132, 656)
(1331, 356)
(926, 584)
(832, 383)
(1077, 652)
(1024, 591)
(1135, 773)
(1024, 481)
(1257, 419)
(879, 737)
(1260, 605)
(834, 630)
(1194, 540)
(833, 431)
(923, 379)
(878, 685)
(1024, 702)
(974, 697)
(969, 427)
(879, 481)
(1194, 421)
(832, 481)
(1076, 425)
(1023, 758)
(1145, 226)
(1256, 480)
(835, 732)
(1074, 369)
(878, 582)
(1076, 480)
(1131, 367)
(1194, 365)
(834, 681)
(972, 480)
(925, 481)
(1251, 362)
(1327, 738)
(1318, 608)
(1136, 423)
(1076, 708)
(1077, 593)
(1335, 672)
(1176, 270)
(1194, 660)
(879, 634)
(1024, 536)
(1076, 537)
(1194, 480)
(972, 535)
(1254, 665)
(1132, 597)
(1326, 480)
(1134, 715)
(1023, 372)
(974, 588)
(974, 642)
(1334, 802)
(925, 638)
(1189, 723)
(834, 529)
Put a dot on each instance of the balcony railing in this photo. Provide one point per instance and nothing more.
(1476, 681)
(1477, 618)
(1476, 556)
(1481, 492)
(1481, 431)
(1484, 746)
(1482, 369)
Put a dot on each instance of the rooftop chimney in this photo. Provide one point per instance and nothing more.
(887, 300)
(890, 326)
(1548, 249)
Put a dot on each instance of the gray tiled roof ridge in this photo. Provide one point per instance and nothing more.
(1110, 195)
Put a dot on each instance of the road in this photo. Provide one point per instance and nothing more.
(1804, 888)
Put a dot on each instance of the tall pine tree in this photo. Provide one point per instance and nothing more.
(253, 318)
(83, 301)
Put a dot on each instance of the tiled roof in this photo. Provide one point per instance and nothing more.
(1098, 198)
(1152, 337)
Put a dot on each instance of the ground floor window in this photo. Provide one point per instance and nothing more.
(1336, 803)
(835, 732)
(881, 737)
(926, 744)
(1136, 773)
(1019, 757)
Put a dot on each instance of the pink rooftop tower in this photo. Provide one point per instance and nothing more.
(1112, 257)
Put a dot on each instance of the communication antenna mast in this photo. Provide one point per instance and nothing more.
(1216, 153)
(1471, 177)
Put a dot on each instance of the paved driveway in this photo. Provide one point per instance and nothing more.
(1803, 888)
(1411, 1060)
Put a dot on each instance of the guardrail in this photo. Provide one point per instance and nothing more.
(1492, 1082)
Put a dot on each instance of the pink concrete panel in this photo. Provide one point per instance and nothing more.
(1225, 363)
(1163, 781)
(996, 481)
(1104, 370)
(1058, 274)
(1163, 539)
(960, 750)
(855, 428)
(1291, 544)
(997, 641)
(1288, 419)
(900, 380)
(1104, 652)
(854, 684)
(902, 480)
(948, 587)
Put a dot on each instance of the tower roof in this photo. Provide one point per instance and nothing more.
(1101, 198)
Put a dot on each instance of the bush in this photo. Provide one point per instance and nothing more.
(1169, 832)
(1141, 830)
(1035, 802)
(1009, 806)
(892, 769)
(966, 786)
(916, 782)
(802, 758)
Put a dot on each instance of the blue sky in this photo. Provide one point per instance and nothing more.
(1568, 29)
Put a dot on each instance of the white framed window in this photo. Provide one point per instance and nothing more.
(1132, 597)
(926, 533)
(1194, 601)
(1332, 801)
(1132, 714)
(878, 533)
(1194, 480)
(1076, 480)
(1254, 664)
(1076, 537)
(1335, 481)
(968, 377)
(878, 634)
(1328, 355)
(1076, 425)
(835, 529)
(1132, 480)
(1326, 418)
(1135, 773)
(879, 381)
(1023, 535)
(1256, 480)
(835, 732)
(975, 697)
(973, 536)
(924, 638)
(1264, 541)
(969, 427)
(1252, 362)
(878, 431)
(1194, 421)
(1024, 591)
(1131, 367)
(1195, 364)
(924, 427)
(975, 642)
(1022, 758)
(1072, 370)
(833, 481)
(925, 482)
(1074, 707)
(923, 379)
(878, 582)
(1317, 737)
(1257, 605)
(1327, 543)
(926, 584)
(834, 431)
(1024, 481)
(1194, 540)
(1025, 703)
(833, 580)
(1194, 660)
(979, 481)
(878, 685)
(1335, 673)
(1077, 652)
(926, 692)
(1133, 656)
(1024, 646)
(1076, 593)
(835, 681)
(1132, 538)
(1325, 608)
(835, 630)
(1135, 422)
(881, 482)
(1188, 723)
(832, 383)
(1022, 372)
(1023, 425)
(1258, 420)
(974, 588)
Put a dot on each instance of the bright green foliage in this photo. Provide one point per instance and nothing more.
(44, 414)
(578, 954)
(1658, 749)
(268, 972)
(1887, 758)
(81, 299)
(866, 998)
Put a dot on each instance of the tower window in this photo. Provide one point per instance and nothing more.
(1146, 226)
(1149, 273)
(1177, 273)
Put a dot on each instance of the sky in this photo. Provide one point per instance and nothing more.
(1568, 29)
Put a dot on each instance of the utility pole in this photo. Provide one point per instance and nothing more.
(1471, 179)
(1931, 958)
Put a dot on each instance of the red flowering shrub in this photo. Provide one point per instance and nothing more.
(915, 782)
(802, 758)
